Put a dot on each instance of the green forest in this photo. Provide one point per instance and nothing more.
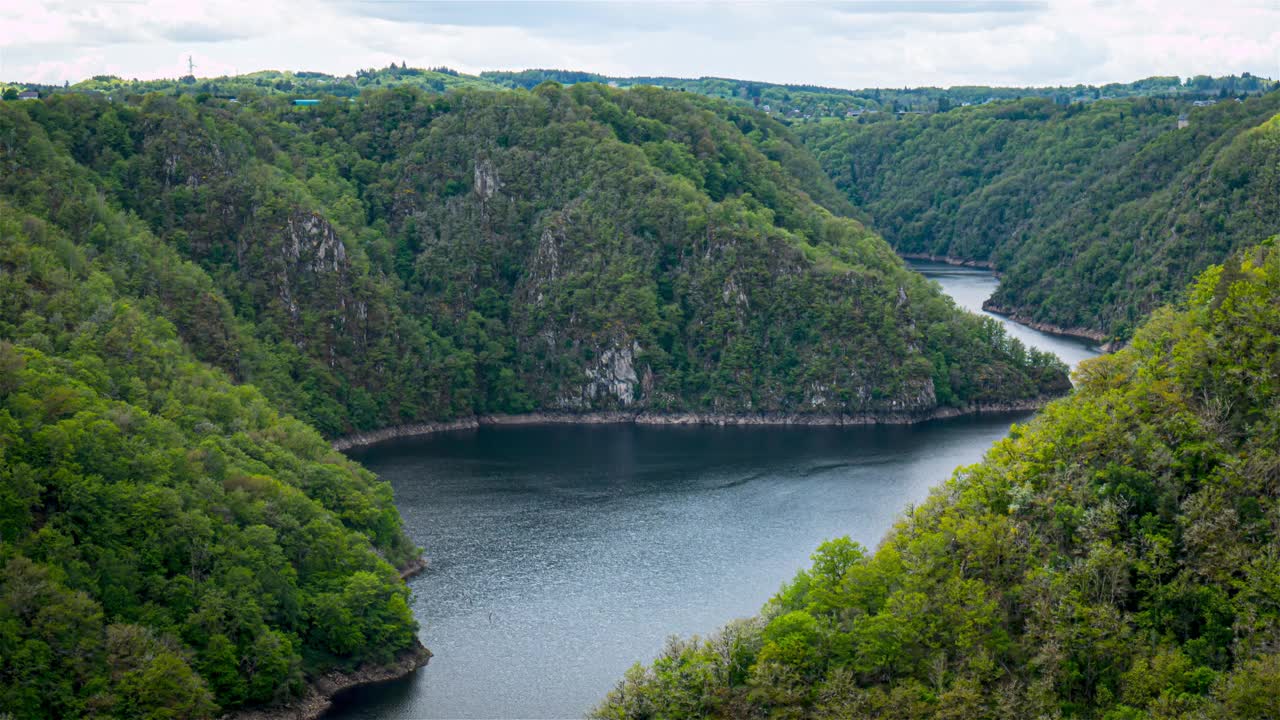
(789, 102)
(170, 544)
(203, 284)
(417, 256)
(196, 295)
(1114, 558)
(1094, 215)
(810, 102)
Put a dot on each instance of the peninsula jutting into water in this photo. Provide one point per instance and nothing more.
(593, 544)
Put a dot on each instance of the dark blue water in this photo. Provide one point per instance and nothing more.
(561, 555)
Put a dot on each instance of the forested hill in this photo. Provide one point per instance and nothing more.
(804, 102)
(1116, 558)
(411, 257)
(180, 278)
(1094, 214)
(793, 102)
(170, 544)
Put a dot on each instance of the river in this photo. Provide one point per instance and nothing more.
(970, 287)
(560, 555)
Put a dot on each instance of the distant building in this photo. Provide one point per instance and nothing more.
(305, 102)
(1183, 121)
(28, 95)
(1204, 103)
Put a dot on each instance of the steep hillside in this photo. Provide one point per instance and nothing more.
(1115, 558)
(413, 257)
(1095, 215)
(169, 543)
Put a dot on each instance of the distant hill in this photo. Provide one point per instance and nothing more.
(273, 82)
(805, 102)
(789, 102)
(1094, 214)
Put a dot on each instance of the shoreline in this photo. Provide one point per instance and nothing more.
(948, 260)
(1081, 333)
(646, 417)
(322, 690)
(1013, 315)
(415, 566)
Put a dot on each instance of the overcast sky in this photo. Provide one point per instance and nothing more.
(871, 43)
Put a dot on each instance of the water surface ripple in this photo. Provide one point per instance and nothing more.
(561, 555)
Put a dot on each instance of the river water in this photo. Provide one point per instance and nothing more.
(970, 287)
(560, 555)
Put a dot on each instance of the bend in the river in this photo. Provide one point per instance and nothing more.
(560, 555)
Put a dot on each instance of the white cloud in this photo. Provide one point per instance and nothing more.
(870, 43)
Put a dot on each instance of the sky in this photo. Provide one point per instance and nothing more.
(856, 44)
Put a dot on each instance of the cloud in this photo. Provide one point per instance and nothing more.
(942, 7)
(857, 44)
(195, 32)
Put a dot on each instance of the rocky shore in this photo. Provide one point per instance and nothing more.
(373, 437)
(946, 259)
(321, 691)
(414, 567)
(662, 418)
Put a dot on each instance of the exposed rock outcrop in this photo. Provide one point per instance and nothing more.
(613, 375)
(312, 242)
(486, 179)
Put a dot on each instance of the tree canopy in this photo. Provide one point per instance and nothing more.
(1094, 215)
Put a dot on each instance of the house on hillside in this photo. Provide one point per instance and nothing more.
(28, 95)
(307, 102)
(1183, 121)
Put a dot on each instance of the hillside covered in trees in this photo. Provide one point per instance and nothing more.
(1115, 558)
(789, 102)
(412, 257)
(811, 101)
(190, 288)
(1093, 214)
(170, 544)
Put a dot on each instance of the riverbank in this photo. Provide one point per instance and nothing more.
(414, 567)
(1080, 333)
(645, 417)
(1013, 315)
(322, 690)
(947, 260)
